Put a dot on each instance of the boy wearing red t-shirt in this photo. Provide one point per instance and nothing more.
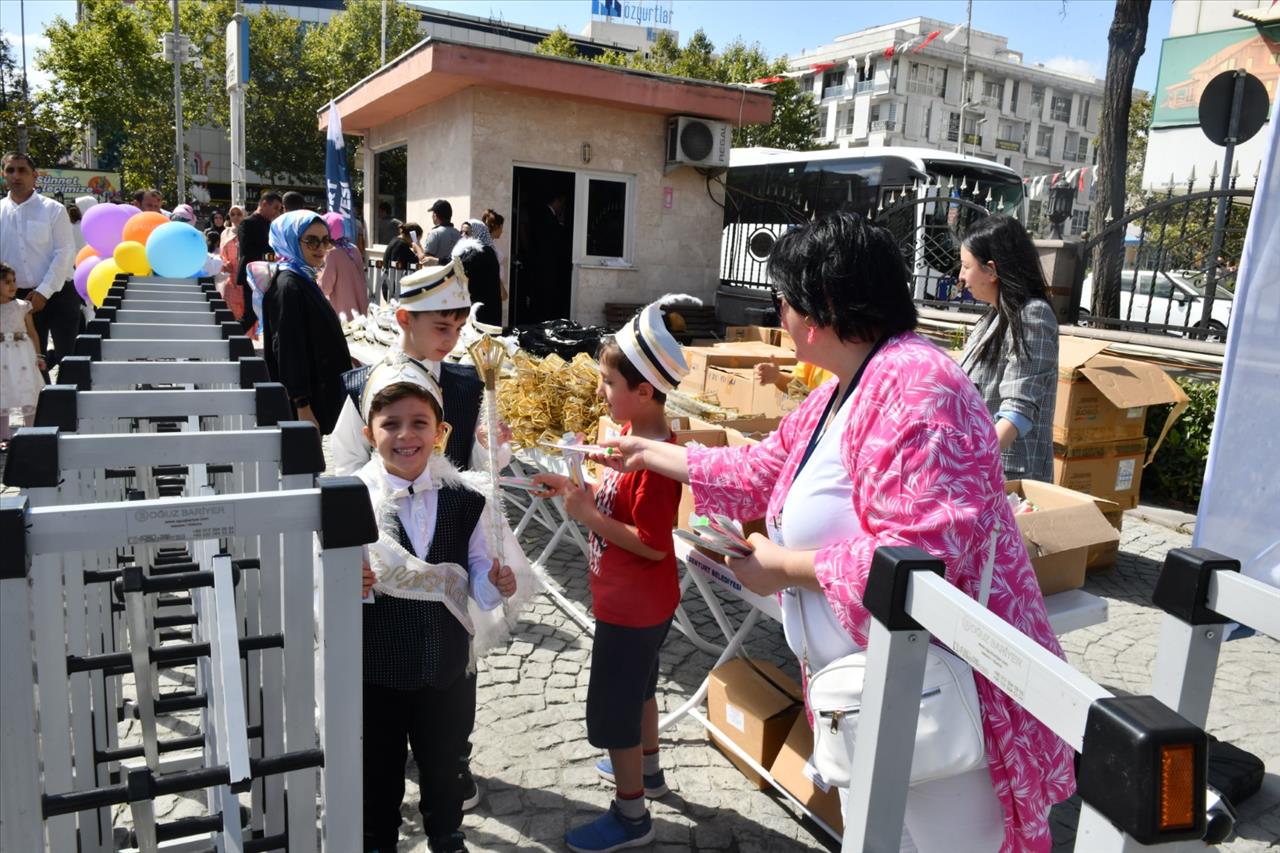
(634, 592)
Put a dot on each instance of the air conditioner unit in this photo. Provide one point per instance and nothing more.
(697, 142)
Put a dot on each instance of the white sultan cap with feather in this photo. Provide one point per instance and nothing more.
(650, 347)
(393, 370)
(441, 288)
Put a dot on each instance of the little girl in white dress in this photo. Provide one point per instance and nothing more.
(20, 360)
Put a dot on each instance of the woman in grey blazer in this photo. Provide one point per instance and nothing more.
(1012, 353)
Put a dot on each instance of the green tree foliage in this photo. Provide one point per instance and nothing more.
(1139, 131)
(558, 44)
(47, 142)
(105, 74)
(1176, 475)
(794, 112)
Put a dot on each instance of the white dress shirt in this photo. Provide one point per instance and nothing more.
(418, 511)
(36, 240)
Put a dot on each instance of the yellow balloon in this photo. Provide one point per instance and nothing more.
(131, 257)
(100, 280)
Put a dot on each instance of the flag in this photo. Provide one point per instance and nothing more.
(927, 39)
(337, 185)
(950, 37)
(888, 51)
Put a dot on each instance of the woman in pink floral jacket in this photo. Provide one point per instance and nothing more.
(898, 450)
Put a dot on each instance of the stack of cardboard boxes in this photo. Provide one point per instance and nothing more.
(1099, 440)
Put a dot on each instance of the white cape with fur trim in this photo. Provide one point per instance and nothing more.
(491, 628)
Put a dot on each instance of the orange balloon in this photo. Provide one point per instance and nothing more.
(140, 226)
(86, 252)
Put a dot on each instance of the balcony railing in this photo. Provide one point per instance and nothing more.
(924, 87)
(953, 136)
(886, 124)
(1075, 156)
(1063, 116)
(874, 87)
(1043, 151)
(833, 92)
(991, 100)
(972, 139)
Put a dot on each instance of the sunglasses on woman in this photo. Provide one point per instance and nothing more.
(316, 242)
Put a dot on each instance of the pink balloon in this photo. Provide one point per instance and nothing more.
(81, 277)
(102, 225)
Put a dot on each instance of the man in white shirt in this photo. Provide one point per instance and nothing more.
(37, 241)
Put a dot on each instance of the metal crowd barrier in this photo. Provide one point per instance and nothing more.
(1142, 767)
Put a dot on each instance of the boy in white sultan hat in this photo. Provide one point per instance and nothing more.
(433, 307)
(431, 562)
(634, 585)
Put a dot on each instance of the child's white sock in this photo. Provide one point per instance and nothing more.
(632, 807)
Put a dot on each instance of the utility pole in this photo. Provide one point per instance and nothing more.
(964, 78)
(180, 157)
(383, 42)
(26, 98)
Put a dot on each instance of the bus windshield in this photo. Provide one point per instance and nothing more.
(1005, 189)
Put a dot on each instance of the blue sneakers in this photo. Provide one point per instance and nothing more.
(610, 831)
(655, 784)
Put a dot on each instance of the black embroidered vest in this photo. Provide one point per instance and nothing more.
(410, 644)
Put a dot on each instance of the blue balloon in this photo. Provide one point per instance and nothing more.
(176, 250)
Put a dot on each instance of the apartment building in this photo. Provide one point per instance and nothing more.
(1032, 119)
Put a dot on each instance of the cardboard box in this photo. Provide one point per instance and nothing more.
(739, 354)
(755, 427)
(1100, 398)
(1060, 533)
(736, 388)
(758, 334)
(754, 704)
(1107, 469)
(788, 770)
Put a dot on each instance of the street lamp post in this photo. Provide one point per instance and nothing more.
(1062, 198)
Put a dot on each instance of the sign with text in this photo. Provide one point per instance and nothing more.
(650, 13)
(77, 182)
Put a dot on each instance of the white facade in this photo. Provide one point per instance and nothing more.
(1034, 120)
(1173, 152)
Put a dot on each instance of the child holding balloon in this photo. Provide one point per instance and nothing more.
(20, 361)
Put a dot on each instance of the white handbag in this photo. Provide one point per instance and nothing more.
(949, 737)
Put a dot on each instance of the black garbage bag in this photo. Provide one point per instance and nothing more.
(565, 338)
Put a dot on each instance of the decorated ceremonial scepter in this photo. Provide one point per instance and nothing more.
(488, 356)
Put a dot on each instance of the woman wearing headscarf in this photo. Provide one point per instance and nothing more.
(302, 339)
(343, 280)
(480, 262)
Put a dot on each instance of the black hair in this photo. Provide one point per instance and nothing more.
(398, 391)
(407, 227)
(139, 195)
(270, 196)
(294, 200)
(443, 209)
(384, 205)
(845, 274)
(1019, 277)
(19, 155)
(611, 355)
(6, 271)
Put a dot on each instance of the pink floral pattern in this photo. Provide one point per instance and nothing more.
(922, 452)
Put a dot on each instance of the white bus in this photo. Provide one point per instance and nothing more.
(769, 190)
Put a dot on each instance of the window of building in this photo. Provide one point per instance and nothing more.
(967, 94)
(1082, 115)
(928, 121)
(608, 230)
(925, 79)
(1079, 221)
(1009, 135)
(392, 168)
(1008, 161)
(832, 83)
(1060, 108)
(1076, 148)
(1044, 141)
(953, 127)
(884, 116)
(971, 136)
(1037, 100)
(993, 92)
(1013, 97)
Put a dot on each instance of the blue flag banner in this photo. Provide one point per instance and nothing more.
(335, 174)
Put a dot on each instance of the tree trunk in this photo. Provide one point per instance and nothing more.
(1126, 41)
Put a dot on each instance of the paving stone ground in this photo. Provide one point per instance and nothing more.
(536, 767)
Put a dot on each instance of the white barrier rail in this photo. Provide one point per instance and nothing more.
(1156, 801)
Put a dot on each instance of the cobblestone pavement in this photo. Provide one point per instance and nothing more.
(537, 769)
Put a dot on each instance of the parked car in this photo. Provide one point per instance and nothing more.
(1169, 298)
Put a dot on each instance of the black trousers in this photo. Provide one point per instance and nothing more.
(60, 318)
(435, 724)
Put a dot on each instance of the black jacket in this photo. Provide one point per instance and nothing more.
(304, 346)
